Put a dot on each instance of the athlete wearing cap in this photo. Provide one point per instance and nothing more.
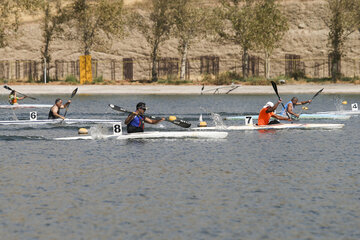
(267, 112)
(135, 121)
(54, 112)
(289, 107)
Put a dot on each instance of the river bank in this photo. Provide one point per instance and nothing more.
(180, 90)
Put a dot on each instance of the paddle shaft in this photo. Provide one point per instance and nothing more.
(178, 122)
(10, 89)
(276, 91)
(72, 95)
(312, 99)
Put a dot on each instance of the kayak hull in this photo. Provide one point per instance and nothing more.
(341, 112)
(302, 116)
(20, 106)
(56, 121)
(274, 126)
(154, 135)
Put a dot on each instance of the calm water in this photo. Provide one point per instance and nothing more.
(288, 184)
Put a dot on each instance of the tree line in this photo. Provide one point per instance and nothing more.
(254, 25)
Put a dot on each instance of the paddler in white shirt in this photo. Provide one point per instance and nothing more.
(13, 98)
(54, 112)
(290, 106)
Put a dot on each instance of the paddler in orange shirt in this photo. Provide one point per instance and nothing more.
(267, 112)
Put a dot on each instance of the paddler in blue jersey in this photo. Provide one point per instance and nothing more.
(135, 121)
(13, 98)
(54, 112)
(290, 106)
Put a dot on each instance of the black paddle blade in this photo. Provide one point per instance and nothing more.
(317, 94)
(180, 123)
(8, 88)
(117, 108)
(275, 88)
(74, 92)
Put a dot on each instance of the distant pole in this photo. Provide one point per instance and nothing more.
(45, 70)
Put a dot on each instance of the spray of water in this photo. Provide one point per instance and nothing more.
(338, 103)
(217, 119)
(98, 131)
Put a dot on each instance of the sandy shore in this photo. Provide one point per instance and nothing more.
(179, 90)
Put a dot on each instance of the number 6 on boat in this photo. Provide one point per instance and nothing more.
(33, 116)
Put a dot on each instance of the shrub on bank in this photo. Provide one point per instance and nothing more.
(71, 79)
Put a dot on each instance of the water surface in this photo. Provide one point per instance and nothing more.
(286, 184)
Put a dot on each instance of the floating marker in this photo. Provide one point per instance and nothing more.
(83, 131)
(202, 123)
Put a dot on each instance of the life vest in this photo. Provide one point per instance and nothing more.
(264, 117)
(284, 110)
(51, 114)
(136, 125)
(12, 99)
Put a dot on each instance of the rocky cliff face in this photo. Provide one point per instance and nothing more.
(307, 38)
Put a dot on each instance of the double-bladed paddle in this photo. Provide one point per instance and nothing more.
(312, 99)
(10, 89)
(72, 95)
(276, 91)
(172, 119)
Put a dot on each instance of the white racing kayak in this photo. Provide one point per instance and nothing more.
(274, 126)
(302, 116)
(341, 112)
(154, 135)
(56, 121)
(20, 106)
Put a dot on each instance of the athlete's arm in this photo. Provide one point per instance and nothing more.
(271, 109)
(130, 117)
(290, 110)
(153, 121)
(66, 104)
(281, 117)
(304, 102)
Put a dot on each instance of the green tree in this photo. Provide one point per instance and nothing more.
(343, 21)
(95, 21)
(238, 23)
(10, 11)
(53, 17)
(271, 26)
(155, 25)
(191, 22)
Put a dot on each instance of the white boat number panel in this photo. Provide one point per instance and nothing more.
(354, 107)
(33, 116)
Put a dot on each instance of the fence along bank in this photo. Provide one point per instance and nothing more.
(131, 69)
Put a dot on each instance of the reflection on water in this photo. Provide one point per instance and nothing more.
(287, 184)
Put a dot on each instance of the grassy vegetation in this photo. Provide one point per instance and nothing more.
(71, 80)
(173, 81)
(98, 80)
